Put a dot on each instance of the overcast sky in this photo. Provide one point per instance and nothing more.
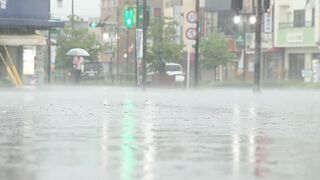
(83, 8)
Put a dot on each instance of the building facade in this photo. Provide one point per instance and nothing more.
(120, 54)
(20, 41)
(297, 30)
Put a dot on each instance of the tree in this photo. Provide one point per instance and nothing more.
(79, 37)
(163, 45)
(214, 51)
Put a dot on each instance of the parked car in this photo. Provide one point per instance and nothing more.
(172, 69)
(93, 70)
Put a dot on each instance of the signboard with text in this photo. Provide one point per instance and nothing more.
(25, 9)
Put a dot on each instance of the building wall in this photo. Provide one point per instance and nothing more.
(297, 40)
(185, 6)
(286, 33)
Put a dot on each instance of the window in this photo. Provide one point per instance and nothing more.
(157, 12)
(299, 18)
(296, 65)
(60, 3)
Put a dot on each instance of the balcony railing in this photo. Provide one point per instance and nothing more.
(288, 25)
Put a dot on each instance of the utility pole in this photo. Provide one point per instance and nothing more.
(258, 49)
(49, 50)
(118, 45)
(111, 62)
(127, 53)
(245, 20)
(72, 17)
(144, 60)
(196, 62)
(49, 56)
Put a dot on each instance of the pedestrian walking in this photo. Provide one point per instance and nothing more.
(77, 68)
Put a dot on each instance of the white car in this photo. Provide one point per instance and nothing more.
(172, 69)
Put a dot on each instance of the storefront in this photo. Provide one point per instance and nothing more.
(302, 64)
(21, 41)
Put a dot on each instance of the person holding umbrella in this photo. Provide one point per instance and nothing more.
(78, 68)
(78, 62)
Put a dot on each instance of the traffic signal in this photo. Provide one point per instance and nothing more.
(129, 17)
(236, 5)
(93, 24)
(140, 16)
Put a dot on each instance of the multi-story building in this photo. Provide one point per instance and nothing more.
(62, 9)
(120, 41)
(297, 30)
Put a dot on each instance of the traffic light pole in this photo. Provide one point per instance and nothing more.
(127, 52)
(144, 60)
(196, 62)
(72, 17)
(245, 68)
(135, 45)
(118, 45)
(258, 49)
(49, 56)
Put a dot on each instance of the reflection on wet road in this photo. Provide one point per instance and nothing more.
(119, 133)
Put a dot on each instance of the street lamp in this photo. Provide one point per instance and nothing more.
(237, 19)
(244, 18)
(253, 20)
(72, 17)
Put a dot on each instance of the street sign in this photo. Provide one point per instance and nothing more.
(192, 17)
(191, 33)
(267, 24)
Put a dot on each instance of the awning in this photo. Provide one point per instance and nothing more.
(274, 50)
(19, 40)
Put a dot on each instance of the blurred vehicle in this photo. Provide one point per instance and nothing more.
(93, 70)
(172, 69)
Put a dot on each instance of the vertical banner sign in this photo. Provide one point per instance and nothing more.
(267, 24)
(139, 36)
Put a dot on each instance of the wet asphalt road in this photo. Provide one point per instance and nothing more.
(99, 133)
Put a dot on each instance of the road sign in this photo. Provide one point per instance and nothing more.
(192, 17)
(267, 24)
(191, 33)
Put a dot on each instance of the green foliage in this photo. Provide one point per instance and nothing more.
(214, 50)
(80, 37)
(163, 36)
